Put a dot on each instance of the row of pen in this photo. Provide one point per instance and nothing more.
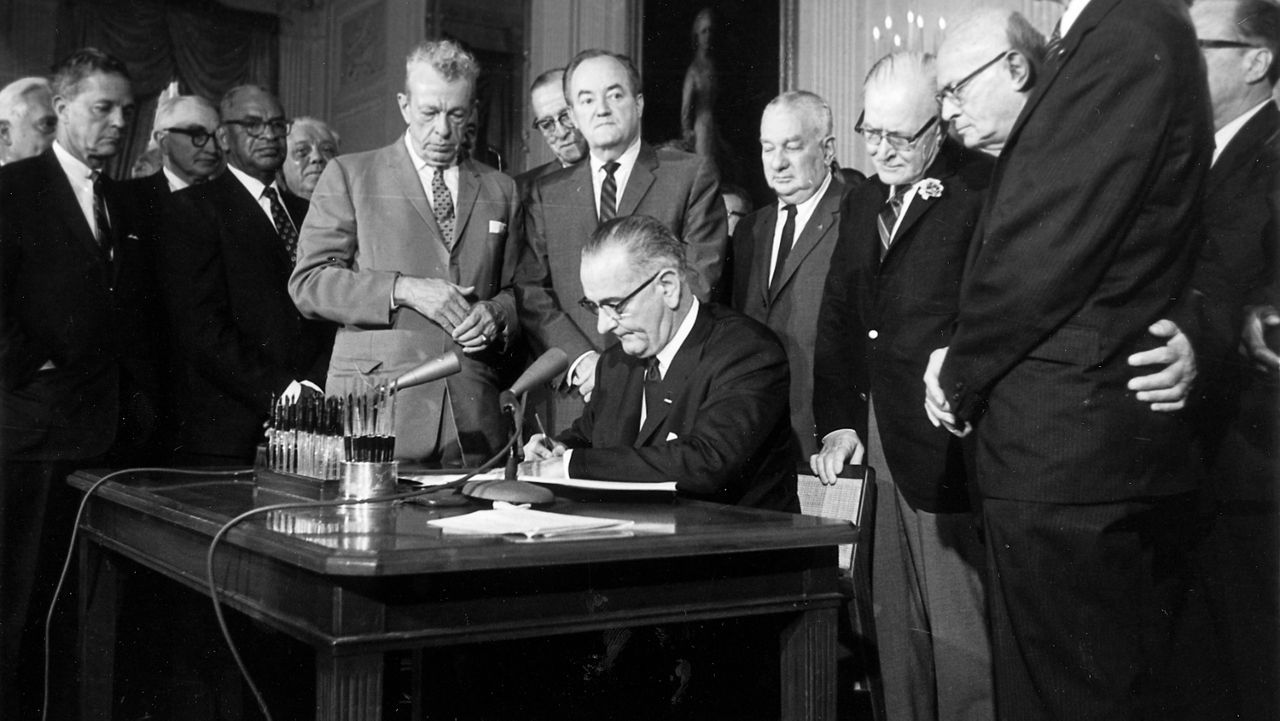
(313, 435)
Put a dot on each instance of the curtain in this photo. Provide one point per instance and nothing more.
(206, 47)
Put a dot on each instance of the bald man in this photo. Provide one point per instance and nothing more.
(27, 120)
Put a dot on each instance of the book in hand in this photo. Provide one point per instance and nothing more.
(505, 519)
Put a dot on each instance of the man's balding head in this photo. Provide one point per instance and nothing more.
(986, 68)
(184, 133)
(1240, 40)
(27, 121)
(900, 117)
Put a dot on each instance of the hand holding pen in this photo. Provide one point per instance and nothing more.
(541, 446)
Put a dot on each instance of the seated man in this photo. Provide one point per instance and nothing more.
(692, 392)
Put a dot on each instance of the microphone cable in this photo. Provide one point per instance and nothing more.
(71, 547)
(226, 527)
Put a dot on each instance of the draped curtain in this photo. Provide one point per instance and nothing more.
(206, 47)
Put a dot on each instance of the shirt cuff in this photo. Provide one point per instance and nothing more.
(568, 377)
(568, 456)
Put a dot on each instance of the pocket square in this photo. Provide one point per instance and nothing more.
(497, 226)
(672, 437)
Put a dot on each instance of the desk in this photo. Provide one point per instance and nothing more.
(383, 580)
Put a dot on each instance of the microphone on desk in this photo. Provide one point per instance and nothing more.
(548, 366)
(444, 365)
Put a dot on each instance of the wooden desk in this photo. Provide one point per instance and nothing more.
(380, 579)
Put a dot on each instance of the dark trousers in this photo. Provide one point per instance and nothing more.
(1083, 599)
(37, 510)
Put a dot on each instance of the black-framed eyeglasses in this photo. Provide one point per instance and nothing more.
(613, 308)
(547, 125)
(952, 91)
(199, 137)
(898, 142)
(1211, 44)
(255, 127)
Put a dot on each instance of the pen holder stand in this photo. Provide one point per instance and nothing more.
(362, 480)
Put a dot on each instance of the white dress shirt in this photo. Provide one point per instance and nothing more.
(427, 173)
(255, 188)
(626, 163)
(175, 183)
(804, 211)
(1070, 15)
(81, 179)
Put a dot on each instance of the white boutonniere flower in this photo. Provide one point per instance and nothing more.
(930, 188)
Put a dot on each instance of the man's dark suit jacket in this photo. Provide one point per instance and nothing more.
(725, 436)
(525, 180)
(789, 307)
(679, 189)
(64, 302)
(239, 335)
(1236, 405)
(1088, 236)
(880, 319)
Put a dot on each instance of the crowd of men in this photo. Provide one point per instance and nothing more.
(1047, 322)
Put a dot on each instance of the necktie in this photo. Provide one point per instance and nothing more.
(100, 219)
(1054, 48)
(284, 224)
(609, 193)
(442, 204)
(784, 246)
(652, 387)
(888, 217)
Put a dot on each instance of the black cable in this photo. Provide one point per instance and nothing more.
(66, 564)
(226, 527)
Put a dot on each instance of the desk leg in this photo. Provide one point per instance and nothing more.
(808, 666)
(99, 604)
(348, 688)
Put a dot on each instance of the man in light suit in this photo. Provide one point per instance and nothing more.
(553, 119)
(779, 267)
(692, 392)
(77, 350)
(622, 176)
(414, 253)
(1087, 238)
(27, 120)
(226, 250)
(890, 297)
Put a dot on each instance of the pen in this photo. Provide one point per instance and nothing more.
(546, 439)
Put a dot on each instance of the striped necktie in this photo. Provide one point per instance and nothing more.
(1053, 51)
(609, 192)
(888, 216)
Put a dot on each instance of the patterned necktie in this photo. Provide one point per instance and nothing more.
(101, 221)
(784, 246)
(442, 204)
(283, 223)
(609, 192)
(888, 217)
(652, 387)
(1054, 48)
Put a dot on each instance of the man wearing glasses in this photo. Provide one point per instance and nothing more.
(692, 392)
(890, 294)
(1087, 239)
(554, 121)
(184, 132)
(226, 249)
(414, 253)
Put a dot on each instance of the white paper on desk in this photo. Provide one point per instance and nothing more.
(513, 520)
(437, 479)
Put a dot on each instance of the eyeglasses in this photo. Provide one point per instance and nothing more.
(898, 142)
(548, 125)
(1209, 44)
(613, 308)
(952, 91)
(256, 127)
(199, 137)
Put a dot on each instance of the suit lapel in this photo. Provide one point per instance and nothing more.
(468, 190)
(941, 170)
(62, 199)
(1243, 148)
(638, 184)
(584, 199)
(632, 391)
(763, 248)
(401, 163)
(823, 220)
(677, 377)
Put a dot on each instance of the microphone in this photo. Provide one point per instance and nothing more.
(434, 369)
(548, 366)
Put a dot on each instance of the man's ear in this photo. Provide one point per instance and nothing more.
(1021, 73)
(5, 139)
(224, 138)
(1258, 65)
(671, 283)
